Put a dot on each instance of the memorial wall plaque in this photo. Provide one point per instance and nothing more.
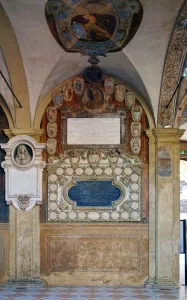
(93, 131)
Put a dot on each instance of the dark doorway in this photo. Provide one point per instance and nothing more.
(4, 209)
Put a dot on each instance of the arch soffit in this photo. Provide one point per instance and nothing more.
(173, 65)
(12, 55)
(47, 99)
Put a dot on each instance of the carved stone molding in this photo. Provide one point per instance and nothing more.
(172, 70)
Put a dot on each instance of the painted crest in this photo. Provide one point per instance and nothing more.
(109, 85)
(51, 130)
(136, 113)
(58, 99)
(119, 93)
(51, 114)
(78, 85)
(135, 144)
(93, 27)
(68, 93)
(129, 99)
(51, 146)
(136, 129)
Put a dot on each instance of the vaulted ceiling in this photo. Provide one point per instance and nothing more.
(46, 64)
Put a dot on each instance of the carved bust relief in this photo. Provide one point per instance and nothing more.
(22, 155)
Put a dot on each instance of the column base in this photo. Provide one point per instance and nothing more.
(160, 284)
(24, 282)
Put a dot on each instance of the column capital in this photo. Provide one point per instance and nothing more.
(35, 133)
(166, 135)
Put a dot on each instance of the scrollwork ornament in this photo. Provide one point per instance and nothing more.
(23, 202)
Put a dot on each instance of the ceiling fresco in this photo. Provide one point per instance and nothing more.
(93, 28)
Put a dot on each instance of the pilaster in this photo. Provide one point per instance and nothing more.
(23, 181)
(164, 207)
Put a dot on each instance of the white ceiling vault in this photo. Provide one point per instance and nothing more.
(46, 64)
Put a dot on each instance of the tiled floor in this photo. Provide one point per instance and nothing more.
(89, 293)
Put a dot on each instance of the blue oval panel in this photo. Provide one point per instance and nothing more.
(94, 193)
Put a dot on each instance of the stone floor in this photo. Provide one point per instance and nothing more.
(88, 293)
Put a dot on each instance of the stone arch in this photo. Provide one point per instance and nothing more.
(172, 69)
(12, 55)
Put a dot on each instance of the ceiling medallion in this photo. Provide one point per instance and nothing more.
(92, 27)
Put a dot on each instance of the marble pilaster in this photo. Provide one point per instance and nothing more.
(164, 205)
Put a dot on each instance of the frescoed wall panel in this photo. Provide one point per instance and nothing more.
(72, 165)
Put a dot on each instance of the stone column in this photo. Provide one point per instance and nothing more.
(164, 207)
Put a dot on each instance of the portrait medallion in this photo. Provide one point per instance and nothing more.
(22, 155)
(119, 93)
(93, 98)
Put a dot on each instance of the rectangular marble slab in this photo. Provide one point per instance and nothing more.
(23, 182)
(93, 131)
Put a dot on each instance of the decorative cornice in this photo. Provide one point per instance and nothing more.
(35, 133)
(168, 135)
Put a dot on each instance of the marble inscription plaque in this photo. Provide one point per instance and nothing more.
(19, 184)
(94, 193)
(93, 131)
